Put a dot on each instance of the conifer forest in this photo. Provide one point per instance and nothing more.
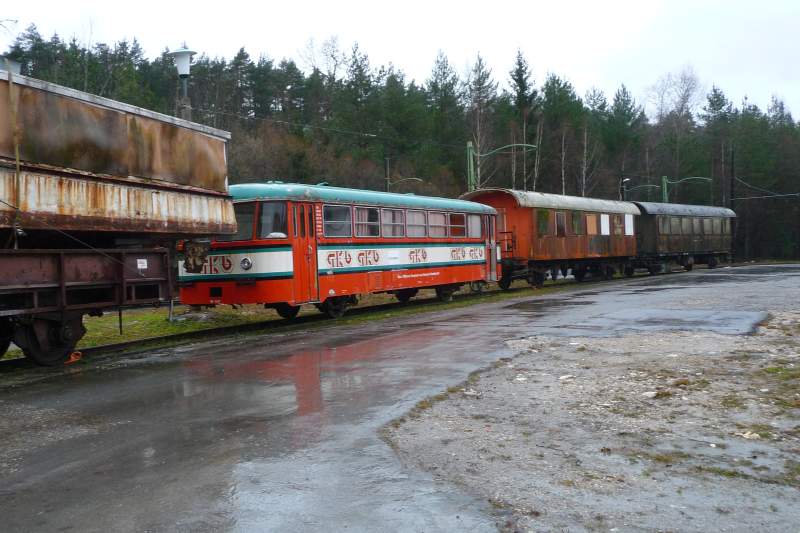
(330, 115)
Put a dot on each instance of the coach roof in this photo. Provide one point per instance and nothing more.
(558, 201)
(341, 195)
(654, 208)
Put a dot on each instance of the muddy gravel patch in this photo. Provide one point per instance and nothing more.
(664, 431)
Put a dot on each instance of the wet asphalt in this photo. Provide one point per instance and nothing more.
(280, 433)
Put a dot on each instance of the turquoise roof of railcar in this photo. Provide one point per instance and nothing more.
(341, 195)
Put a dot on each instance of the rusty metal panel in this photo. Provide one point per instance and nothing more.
(70, 129)
(71, 202)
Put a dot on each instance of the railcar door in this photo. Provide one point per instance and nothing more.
(304, 251)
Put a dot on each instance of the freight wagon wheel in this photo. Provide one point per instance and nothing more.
(504, 283)
(404, 295)
(6, 333)
(287, 311)
(47, 342)
(334, 307)
(712, 262)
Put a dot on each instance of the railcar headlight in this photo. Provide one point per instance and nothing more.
(246, 263)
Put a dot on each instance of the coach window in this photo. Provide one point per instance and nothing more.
(686, 225)
(415, 224)
(591, 224)
(474, 226)
(561, 224)
(604, 224)
(697, 227)
(392, 223)
(542, 222)
(272, 221)
(458, 225)
(437, 225)
(577, 223)
(726, 226)
(629, 225)
(674, 225)
(663, 225)
(367, 222)
(245, 215)
(707, 226)
(336, 221)
(617, 224)
(717, 224)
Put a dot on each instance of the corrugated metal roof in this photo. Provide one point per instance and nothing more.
(558, 201)
(655, 208)
(324, 193)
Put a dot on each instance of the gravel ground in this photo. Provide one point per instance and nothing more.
(664, 431)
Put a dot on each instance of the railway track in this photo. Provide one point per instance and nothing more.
(278, 325)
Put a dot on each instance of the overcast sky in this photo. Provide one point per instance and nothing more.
(747, 48)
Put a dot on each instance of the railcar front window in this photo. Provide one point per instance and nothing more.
(437, 225)
(245, 215)
(415, 224)
(272, 221)
(392, 223)
(336, 221)
(474, 226)
(367, 222)
(458, 225)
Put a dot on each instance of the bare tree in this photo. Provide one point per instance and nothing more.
(481, 93)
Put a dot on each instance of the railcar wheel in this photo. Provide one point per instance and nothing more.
(608, 272)
(404, 295)
(712, 262)
(445, 294)
(476, 287)
(48, 342)
(688, 264)
(536, 279)
(629, 271)
(334, 307)
(6, 334)
(287, 311)
(579, 273)
(504, 283)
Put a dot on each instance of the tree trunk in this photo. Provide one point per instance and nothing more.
(525, 150)
(563, 160)
(585, 161)
(537, 161)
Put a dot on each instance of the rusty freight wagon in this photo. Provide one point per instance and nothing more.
(541, 233)
(683, 234)
(93, 195)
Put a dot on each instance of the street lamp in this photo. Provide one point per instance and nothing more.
(183, 62)
(472, 156)
(623, 189)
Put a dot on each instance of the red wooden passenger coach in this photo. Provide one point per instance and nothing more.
(301, 244)
(540, 233)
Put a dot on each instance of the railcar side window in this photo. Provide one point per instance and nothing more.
(707, 226)
(561, 224)
(591, 224)
(577, 223)
(337, 221)
(726, 226)
(604, 224)
(437, 225)
(674, 225)
(629, 225)
(697, 227)
(617, 223)
(458, 225)
(415, 224)
(686, 225)
(392, 223)
(542, 222)
(717, 224)
(245, 215)
(367, 222)
(272, 221)
(474, 226)
(663, 225)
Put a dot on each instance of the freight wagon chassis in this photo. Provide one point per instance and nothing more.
(45, 293)
(659, 263)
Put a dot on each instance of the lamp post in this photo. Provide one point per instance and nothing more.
(623, 189)
(472, 156)
(183, 62)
